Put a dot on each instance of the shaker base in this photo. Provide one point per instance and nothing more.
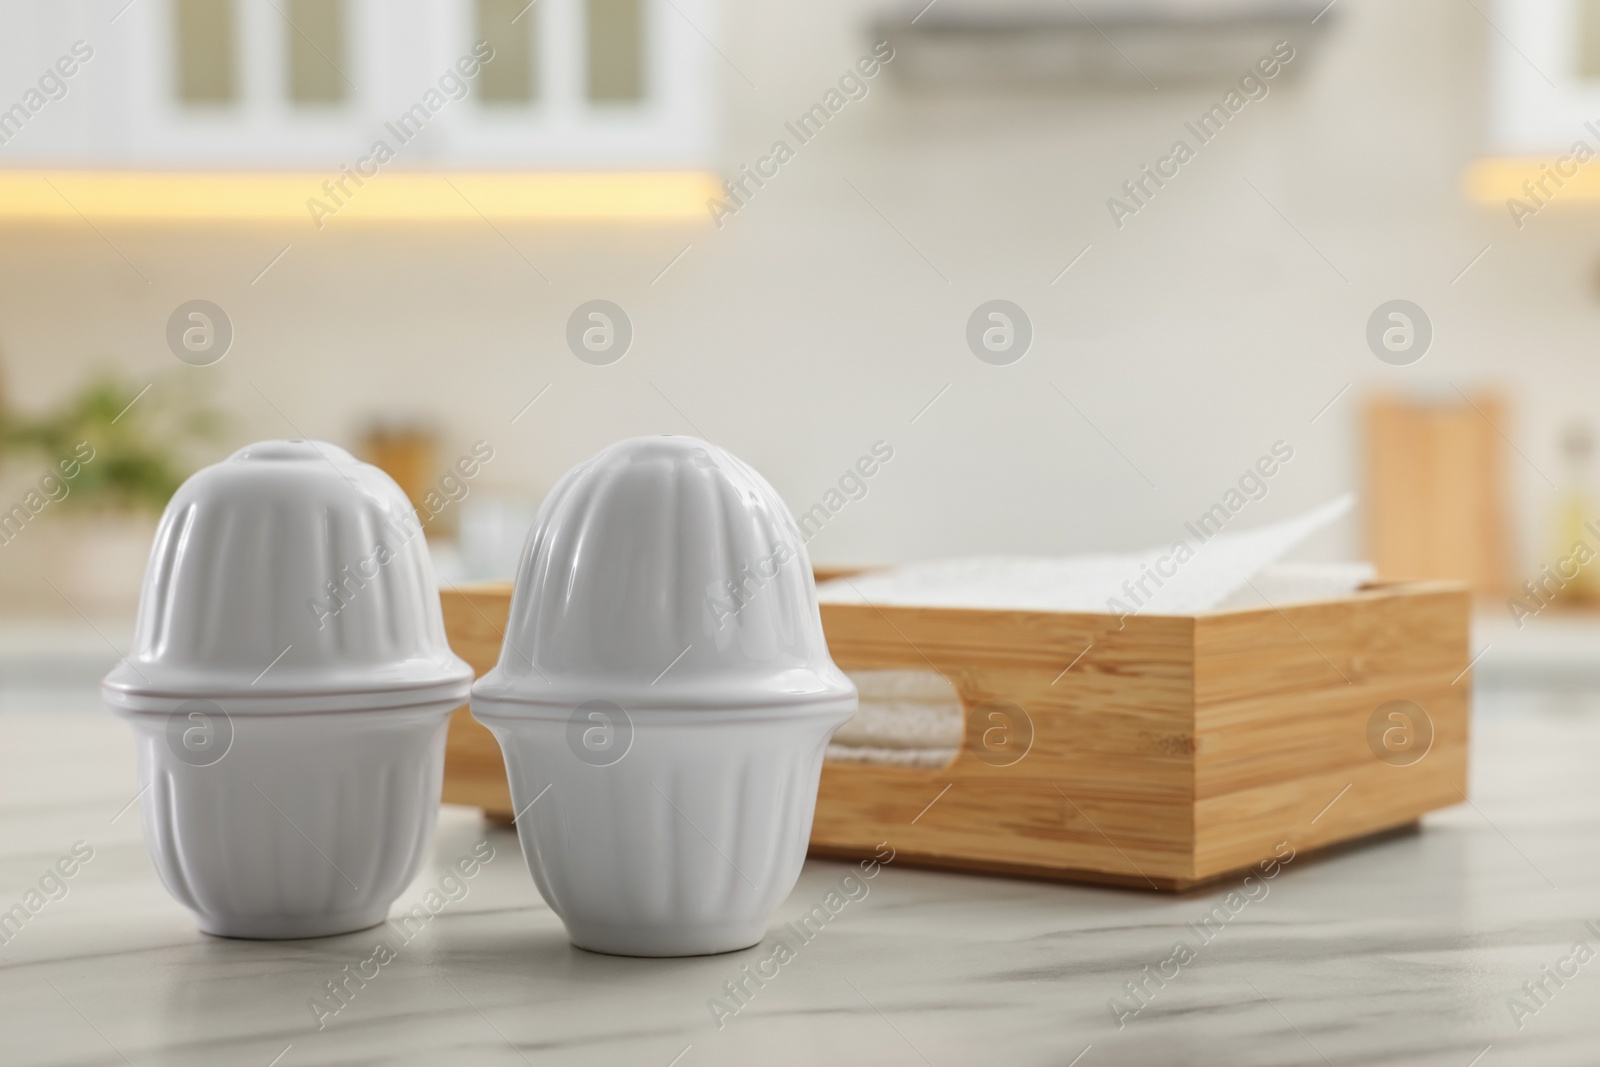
(665, 941)
(290, 927)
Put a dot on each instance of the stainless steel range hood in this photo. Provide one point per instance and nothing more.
(1055, 45)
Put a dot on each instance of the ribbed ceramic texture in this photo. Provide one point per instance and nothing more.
(684, 846)
(664, 582)
(295, 832)
(290, 567)
(658, 553)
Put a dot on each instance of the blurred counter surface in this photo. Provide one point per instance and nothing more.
(1415, 949)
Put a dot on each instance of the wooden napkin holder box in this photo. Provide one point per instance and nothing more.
(1159, 752)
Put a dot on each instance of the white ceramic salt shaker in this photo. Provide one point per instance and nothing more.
(289, 688)
(663, 699)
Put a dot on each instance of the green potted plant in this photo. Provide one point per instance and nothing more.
(97, 470)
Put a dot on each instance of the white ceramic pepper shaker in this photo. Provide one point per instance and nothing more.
(663, 699)
(289, 688)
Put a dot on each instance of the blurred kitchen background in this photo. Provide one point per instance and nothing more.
(157, 153)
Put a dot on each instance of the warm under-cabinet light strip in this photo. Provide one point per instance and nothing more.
(1534, 181)
(324, 200)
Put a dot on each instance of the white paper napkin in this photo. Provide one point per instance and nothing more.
(1192, 575)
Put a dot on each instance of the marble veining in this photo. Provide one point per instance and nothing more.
(1413, 950)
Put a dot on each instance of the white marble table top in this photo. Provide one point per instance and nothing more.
(1411, 950)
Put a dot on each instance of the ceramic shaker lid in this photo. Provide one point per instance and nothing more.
(294, 577)
(664, 573)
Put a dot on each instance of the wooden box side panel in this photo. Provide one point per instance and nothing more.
(1106, 784)
(474, 769)
(1290, 741)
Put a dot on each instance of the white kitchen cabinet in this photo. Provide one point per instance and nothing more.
(282, 84)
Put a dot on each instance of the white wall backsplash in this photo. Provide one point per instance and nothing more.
(1220, 319)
